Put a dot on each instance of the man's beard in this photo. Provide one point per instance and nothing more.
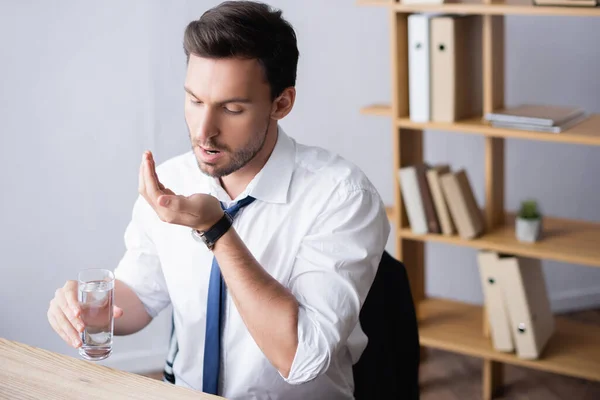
(239, 159)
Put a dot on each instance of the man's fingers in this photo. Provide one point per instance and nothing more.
(178, 204)
(70, 293)
(164, 190)
(151, 189)
(153, 169)
(174, 216)
(57, 328)
(63, 327)
(117, 312)
(141, 184)
(68, 329)
(150, 181)
(149, 186)
(68, 311)
(174, 203)
(160, 186)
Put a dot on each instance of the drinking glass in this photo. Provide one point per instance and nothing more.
(96, 295)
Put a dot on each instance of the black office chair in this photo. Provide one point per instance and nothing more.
(389, 366)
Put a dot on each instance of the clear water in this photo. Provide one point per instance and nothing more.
(96, 301)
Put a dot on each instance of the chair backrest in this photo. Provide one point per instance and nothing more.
(389, 366)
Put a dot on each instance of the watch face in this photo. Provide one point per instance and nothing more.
(199, 236)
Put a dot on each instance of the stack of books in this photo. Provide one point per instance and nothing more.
(444, 75)
(438, 200)
(517, 305)
(536, 117)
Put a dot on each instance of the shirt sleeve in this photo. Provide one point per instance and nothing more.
(140, 267)
(333, 272)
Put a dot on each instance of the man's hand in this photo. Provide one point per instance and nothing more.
(64, 314)
(198, 211)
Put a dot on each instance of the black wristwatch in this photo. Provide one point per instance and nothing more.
(210, 236)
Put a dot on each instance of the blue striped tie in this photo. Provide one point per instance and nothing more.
(214, 311)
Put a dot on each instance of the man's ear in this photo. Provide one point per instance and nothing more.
(284, 103)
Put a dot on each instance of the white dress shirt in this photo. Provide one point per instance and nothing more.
(318, 226)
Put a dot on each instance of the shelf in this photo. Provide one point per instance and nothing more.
(500, 8)
(586, 132)
(377, 109)
(375, 2)
(573, 350)
(569, 241)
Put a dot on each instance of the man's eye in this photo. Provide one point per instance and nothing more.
(195, 101)
(232, 111)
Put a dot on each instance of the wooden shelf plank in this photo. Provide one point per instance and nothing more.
(586, 132)
(374, 2)
(563, 240)
(573, 350)
(499, 9)
(512, 7)
(377, 109)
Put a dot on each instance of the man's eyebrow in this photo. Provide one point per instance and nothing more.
(231, 100)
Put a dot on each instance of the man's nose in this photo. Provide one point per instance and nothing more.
(208, 126)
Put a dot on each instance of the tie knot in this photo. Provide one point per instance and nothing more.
(233, 210)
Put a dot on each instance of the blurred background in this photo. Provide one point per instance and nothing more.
(88, 86)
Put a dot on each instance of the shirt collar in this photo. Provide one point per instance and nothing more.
(272, 182)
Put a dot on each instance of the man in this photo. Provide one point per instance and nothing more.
(266, 306)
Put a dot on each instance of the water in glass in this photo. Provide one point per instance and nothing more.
(96, 301)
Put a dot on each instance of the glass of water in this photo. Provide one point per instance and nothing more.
(96, 295)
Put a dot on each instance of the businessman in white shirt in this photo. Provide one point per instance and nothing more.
(265, 248)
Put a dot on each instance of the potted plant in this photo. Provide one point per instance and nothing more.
(529, 222)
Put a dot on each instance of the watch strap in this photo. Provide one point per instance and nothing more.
(211, 235)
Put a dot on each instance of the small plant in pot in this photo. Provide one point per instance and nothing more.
(529, 222)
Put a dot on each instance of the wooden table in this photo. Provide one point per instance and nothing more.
(31, 373)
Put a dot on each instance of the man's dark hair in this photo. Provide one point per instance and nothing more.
(249, 30)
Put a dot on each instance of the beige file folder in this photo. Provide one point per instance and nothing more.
(417, 198)
(456, 90)
(441, 207)
(496, 308)
(412, 198)
(462, 204)
(524, 288)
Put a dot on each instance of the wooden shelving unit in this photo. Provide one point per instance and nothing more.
(574, 350)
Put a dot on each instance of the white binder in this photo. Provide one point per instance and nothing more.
(524, 288)
(496, 308)
(419, 67)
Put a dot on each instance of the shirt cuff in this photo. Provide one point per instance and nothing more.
(312, 355)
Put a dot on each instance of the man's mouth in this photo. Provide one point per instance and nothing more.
(210, 151)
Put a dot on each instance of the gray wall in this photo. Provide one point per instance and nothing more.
(87, 86)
